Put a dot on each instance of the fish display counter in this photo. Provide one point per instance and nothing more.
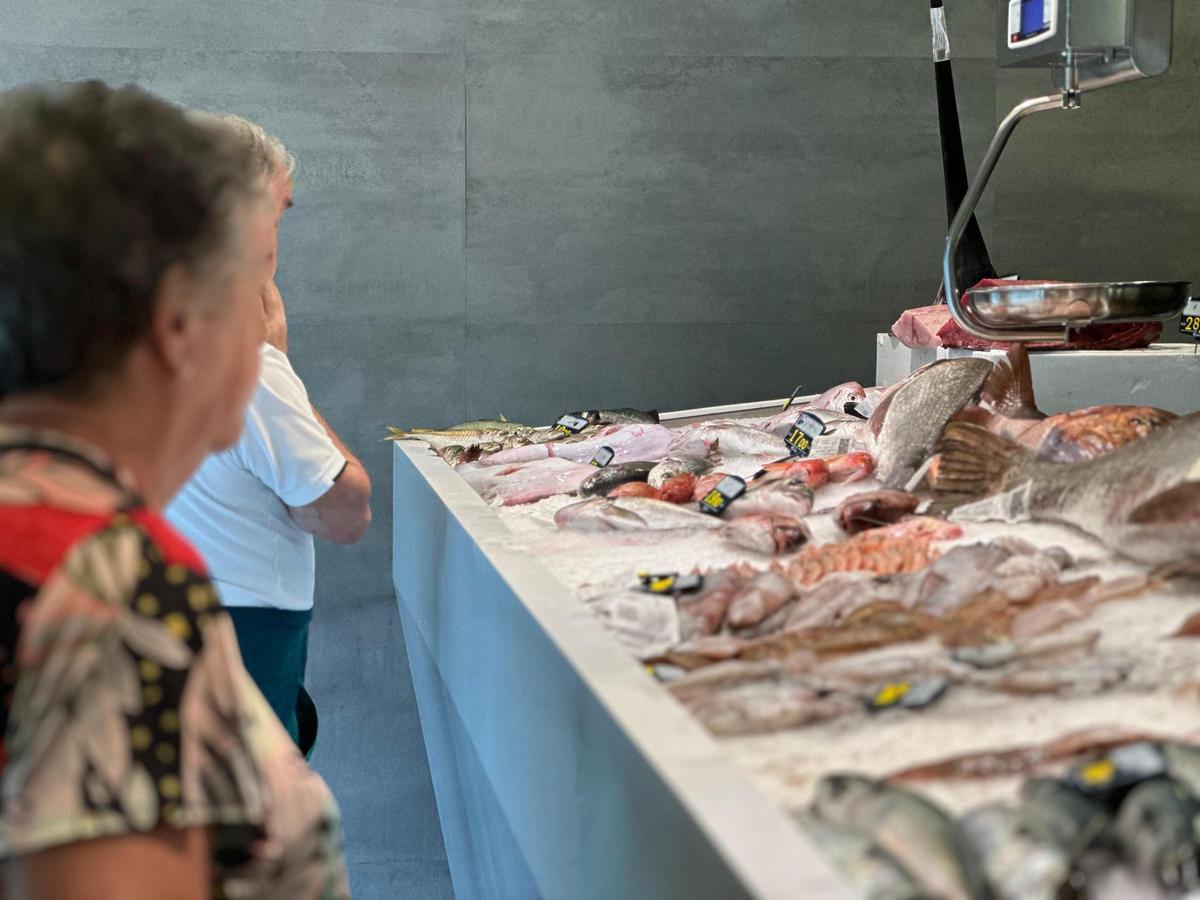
(922, 641)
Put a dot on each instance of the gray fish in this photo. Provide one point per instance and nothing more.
(631, 514)
(909, 420)
(1132, 498)
(1056, 814)
(677, 465)
(1155, 828)
(870, 870)
(624, 415)
(917, 834)
(1018, 866)
(610, 476)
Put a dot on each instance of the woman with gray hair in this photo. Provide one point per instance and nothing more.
(139, 760)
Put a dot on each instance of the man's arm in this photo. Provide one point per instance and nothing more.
(342, 513)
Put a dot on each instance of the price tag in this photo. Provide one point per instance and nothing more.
(572, 424)
(1121, 768)
(603, 457)
(807, 429)
(718, 499)
(907, 694)
(671, 583)
(1189, 322)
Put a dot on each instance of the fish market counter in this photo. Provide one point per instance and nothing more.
(560, 768)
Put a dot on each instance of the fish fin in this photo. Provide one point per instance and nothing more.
(395, 434)
(1177, 505)
(1009, 389)
(502, 418)
(976, 462)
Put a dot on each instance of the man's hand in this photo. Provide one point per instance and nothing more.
(275, 316)
(342, 514)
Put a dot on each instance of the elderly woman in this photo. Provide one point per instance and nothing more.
(139, 761)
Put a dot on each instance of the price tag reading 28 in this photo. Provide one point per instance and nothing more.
(1189, 323)
(806, 430)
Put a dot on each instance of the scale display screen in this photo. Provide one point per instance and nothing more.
(1030, 20)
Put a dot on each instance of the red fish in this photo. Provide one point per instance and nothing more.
(850, 467)
(678, 489)
(873, 509)
(635, 489)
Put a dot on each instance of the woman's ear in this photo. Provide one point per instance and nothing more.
(175, 323)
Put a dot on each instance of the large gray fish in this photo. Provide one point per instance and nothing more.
(624, 415)
(910, 419)
(1155, 829)
(917, 834)
(610, 476)
(1143, 500)
(872, 871)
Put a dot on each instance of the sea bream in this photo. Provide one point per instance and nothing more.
(1143, 500)
(1009, 409)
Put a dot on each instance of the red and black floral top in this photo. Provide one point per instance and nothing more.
(124, 704)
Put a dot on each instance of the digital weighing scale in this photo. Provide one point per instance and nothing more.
(1087, 44)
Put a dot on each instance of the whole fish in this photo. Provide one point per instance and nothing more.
(630, 443)
(635, 489)
(678, 489)
(775, 498)
(1018, 866)
(812, 472)
(704, 612)
(872, 872)
(466, 437)
(631, 514)
(1056, 814)
(837, 398)
(916, 833)
(1141, 486)
(759, 707)
(1156, 830)
(862, 512)
(762, 596)
(766, 534)
(528, 483)
(850, 467)
(498, 425)
(910, 419)
(1066, 437)
(673, 466)
(731, 438)
(607, 478)
(624, 415)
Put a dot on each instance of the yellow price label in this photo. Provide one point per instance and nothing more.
(713, 499)
(1190, 324)
(1098, 774)
(891, 694)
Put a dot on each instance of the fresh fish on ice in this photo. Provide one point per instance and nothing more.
(527, 483)
(862, 512)
(673, 466)
(604, 480)
(1156, 828)
(634, 489)
(631, 514)
(910, 419)
(869, 869)
(703, 613)
(630, 443)
(759, 598)
(766, 533)
(678, 489)
(1134, 489)
(731, 438)
(775, 498)
(919, 835)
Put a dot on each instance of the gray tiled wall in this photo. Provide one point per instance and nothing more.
(525, 206)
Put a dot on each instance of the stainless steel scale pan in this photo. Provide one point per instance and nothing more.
(1074, 305)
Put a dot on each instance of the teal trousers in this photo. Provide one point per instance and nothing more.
(274, 647)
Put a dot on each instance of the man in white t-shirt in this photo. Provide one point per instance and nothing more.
(252, 510)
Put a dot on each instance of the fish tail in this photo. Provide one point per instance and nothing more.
(1009, 389)
(395, 434)
(975, 462)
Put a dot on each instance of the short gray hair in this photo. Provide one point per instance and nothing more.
(273, 158)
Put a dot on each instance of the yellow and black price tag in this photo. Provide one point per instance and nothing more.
(1189, 322)
(807, 429)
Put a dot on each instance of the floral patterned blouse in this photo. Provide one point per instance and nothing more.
(124, 705)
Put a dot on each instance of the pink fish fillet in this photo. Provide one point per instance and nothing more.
(630, 443)
(527, 482)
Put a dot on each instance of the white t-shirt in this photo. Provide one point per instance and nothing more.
(233, 510)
